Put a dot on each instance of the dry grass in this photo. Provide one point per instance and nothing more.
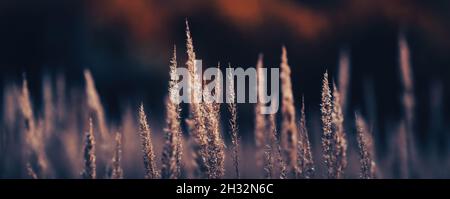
(304, 155)
(147, 146)
(328, 137)
(232, 108)
(95, 104)
(288, 127)
(90, 168)
(260, 119)
(117, 171)
(172, 152)
(33, 133)
(276, 146)
(202, 155)
(216, 146)
(196, 120)
(366, 149)
(338, 128)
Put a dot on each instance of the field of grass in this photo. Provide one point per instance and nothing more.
(71, 137)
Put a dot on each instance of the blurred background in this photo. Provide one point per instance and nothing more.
(127, 45)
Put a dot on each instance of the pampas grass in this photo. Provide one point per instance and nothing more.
(196, 120)
(28, 132)
(172, 152)
(147, 146)
(216, 146)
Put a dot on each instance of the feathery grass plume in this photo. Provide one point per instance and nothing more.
(95, 104)
(151, 171)
(288, 127)
(408, 99)
(304, 155)
(216, 146)
(366, 149)
(171, 158)
(260, 119)
(89, 154)
(117, 171)
(275, 145)
(338, 128)
(196, 122)
(328, 137)
(30, 172)
(33, 136)
(232, 108)
(344, 77)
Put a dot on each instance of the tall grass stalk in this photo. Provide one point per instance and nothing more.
(147, 146)
(172, 152)
(196, 121)
(260, 119)
(95, 104)
(304, 154)
(89, 171)
(328, 137)
(338, 128)
(288, 127)
(366, 149)
(117, 171)
(232, 108)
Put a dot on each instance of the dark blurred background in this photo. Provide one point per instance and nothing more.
(127, 45)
